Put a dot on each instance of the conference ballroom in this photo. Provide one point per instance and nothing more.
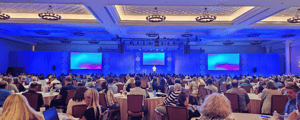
(149, 60)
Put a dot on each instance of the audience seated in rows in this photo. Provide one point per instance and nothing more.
(243, 96)
(77, 99)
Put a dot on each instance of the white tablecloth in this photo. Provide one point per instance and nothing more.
(254, 105)
(150, 103)
(46, 96)
(242, 116)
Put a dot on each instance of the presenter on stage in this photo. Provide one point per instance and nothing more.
(154, 69)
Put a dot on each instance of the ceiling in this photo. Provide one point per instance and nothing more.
(240, 21)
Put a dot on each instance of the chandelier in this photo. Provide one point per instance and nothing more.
(296, 18)
(205, 17)
(187, 34)
(155, 17)
(152, 33)
(4, 16)
(49, 15)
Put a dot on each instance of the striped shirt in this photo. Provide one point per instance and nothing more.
(172, 99)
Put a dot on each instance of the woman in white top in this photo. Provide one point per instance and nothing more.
(228, 83)
(266, 97)
(201, 81)
(131, 80)
(194, 91)
(78, 99)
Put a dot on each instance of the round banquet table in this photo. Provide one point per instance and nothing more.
(150, 103)
(241, 116)
(46, 96)
(255, 103)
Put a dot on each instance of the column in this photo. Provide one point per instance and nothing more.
(287, 57)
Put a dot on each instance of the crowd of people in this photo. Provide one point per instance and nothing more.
(181, 90)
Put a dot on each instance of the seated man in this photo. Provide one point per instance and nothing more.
(112, 86)
(171, 89)
(32, 90)
(210, 86)
(89, 83)
(4, 93)
(98, 85)
(139, 91)
(290, 106)
(243, 96)
(246, 83)
(62, 97)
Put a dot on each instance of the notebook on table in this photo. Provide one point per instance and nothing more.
(51, 114)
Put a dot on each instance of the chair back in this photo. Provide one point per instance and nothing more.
(18, 86)
(144, 84)
(102, 100)
(281, 86)
(78, 110)
(278, 103)
(134, 103)
(183, 83)
(132, 85)
(32, 99)
(224, 88)
(202, 92)
(120, 87)
(159, 115)
(208, 91)
(39, 88)
(172, 113)
(216, 84)
(71, 93)
(104, 115)
(234, 101)
(201, 85)
(255, 80)
(247, 88)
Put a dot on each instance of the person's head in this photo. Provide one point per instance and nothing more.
(234, 83)
(98, 82)
(34, 78)
(79, 94)
(177, 87)
(104, 86)
(177, 81)
(16, 107)
(68, 80)
(137, 83)
(33, 86)
(247, 81)
(195, 79)
(53, 78)
(9, 80)
(162, 81)
(183, 99)
(216, 106)
(155, 80)
(3, 84)
(271, 85)
(229, 79)
(16, 80)
(209, 81)
(276, 79)
(110, 81)
(292, 92)
(91, 98)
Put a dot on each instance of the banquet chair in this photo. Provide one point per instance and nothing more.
(159, 115)
(247, 88)
(134, 106)
(208, 91)
(78, 110)
(172, 113)
(104, 115)
(120, 87)
(234, 100)
(217, 85)
(39, 87)
(224, 88)
(32, 100)
(71, 93)
(183, 83)
(278, 103)
(202, 93)
(102, 102)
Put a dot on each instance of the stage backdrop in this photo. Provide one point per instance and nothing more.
(131, 62)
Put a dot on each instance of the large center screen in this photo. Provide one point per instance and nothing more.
(153, 58)
(223, 61)
(86, 60)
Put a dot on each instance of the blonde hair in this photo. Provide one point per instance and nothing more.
(94, 103)
(216, 106)
(196, 80)
(34, 78)
(16, 107)
(201, 81)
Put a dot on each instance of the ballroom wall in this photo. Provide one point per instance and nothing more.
(5, 47)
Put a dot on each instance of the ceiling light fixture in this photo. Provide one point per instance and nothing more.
(155, 17)
(296, 18)
(4, 16)
(187, 34)
(205, 17)
(152, 33)
(49, 15)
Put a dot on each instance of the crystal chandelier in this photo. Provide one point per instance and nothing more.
(205, 17)
(4, 16)
(49, 15)
(155, 17)
(295, 19)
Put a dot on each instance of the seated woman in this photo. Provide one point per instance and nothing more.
(16, 107)
(194, 91)
(162, 85)
(110, 99)
(171, 100)
(78, 99)
(215, 107)
(155, 85)
(93, 112)
(19, 85)
(266, 97)
(183, 101)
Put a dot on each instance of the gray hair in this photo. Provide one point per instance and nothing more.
(34, 78)
(177, 87)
